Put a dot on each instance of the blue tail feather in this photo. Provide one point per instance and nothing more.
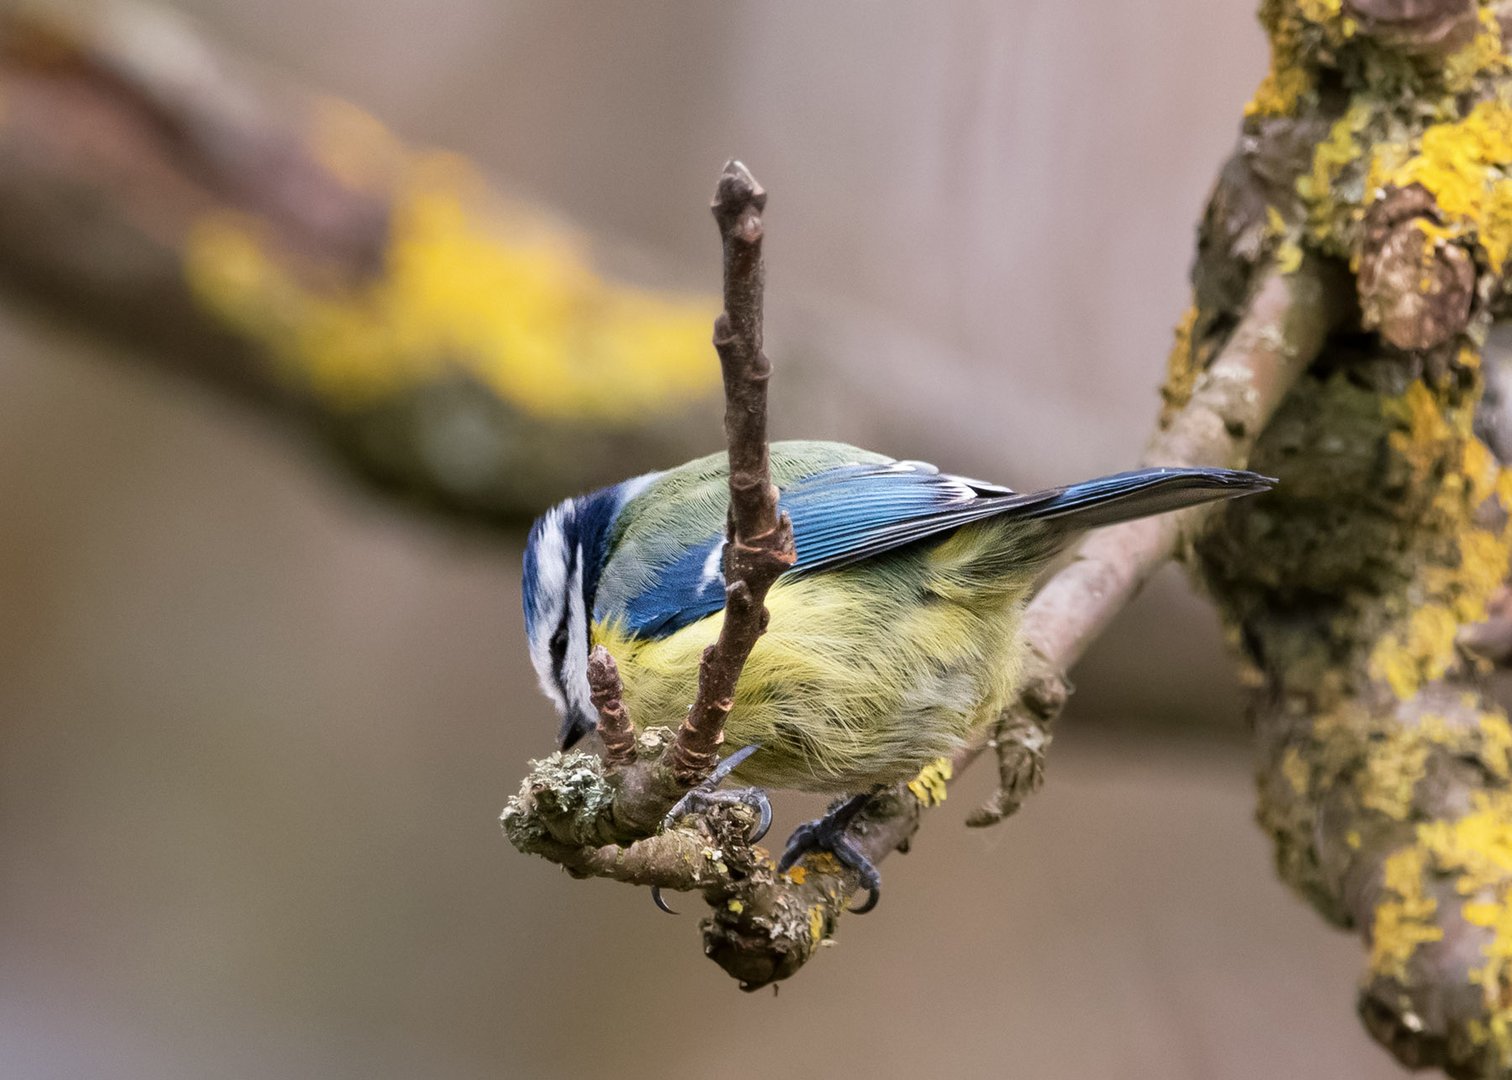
(1109, 500)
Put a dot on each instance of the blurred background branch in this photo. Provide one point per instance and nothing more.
(283, 246)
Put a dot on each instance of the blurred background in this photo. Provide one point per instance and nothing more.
(258, 724)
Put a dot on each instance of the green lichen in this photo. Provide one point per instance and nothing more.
(562, 799)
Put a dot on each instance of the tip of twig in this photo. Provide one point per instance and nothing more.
(603, 674)
(736, 189)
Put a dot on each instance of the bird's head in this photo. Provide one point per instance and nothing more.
(564, 554)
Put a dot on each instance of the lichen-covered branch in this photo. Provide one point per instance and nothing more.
(1382, 137)
(763, 926)
(598, 818)
(283, 246)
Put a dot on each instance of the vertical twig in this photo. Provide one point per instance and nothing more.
(760, 543)
(615, 729)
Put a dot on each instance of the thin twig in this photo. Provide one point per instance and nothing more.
(643, 775)
(760, 543)
(615, 730)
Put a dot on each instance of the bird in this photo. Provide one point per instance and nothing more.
(892, 640)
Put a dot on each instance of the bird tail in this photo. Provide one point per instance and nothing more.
(1109, 500)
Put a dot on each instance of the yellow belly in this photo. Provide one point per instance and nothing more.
(864, 676)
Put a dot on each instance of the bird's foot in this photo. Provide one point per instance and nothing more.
(828, 834)
(706, 796)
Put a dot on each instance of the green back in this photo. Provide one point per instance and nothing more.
(688, 504)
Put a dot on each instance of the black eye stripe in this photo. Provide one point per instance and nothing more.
(559, 637)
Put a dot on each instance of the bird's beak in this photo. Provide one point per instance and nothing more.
(575, 724)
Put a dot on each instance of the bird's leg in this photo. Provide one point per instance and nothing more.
(706, 796)
(828, 834)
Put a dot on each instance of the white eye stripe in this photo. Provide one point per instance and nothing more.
(550, 601)
(575, 664)
(558, 607)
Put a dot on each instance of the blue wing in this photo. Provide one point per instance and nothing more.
(840, 515)
(852, 512)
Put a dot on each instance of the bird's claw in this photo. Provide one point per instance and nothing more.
(705, 797)
(829, 834)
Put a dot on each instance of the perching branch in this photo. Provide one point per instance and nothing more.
(597, 818)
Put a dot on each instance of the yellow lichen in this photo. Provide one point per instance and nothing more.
(797, 875)
(1181, 367)
(470, 285)
(816, 923)
(1495, 975)
(1288, 251)
(1421, 426)
(1469, 560)
(1331, 157)
(1476, 850)
(1495, 751)
(929, 787)
(1320, 11)
(735, 906)
(1289, 79)
(1393, 768)
(1463, 164)
(1289, 255)
(1403, 916)
(1281, 89)
(1416, 653)
(822, 862)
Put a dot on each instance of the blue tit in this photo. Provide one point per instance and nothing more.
(893, 639)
